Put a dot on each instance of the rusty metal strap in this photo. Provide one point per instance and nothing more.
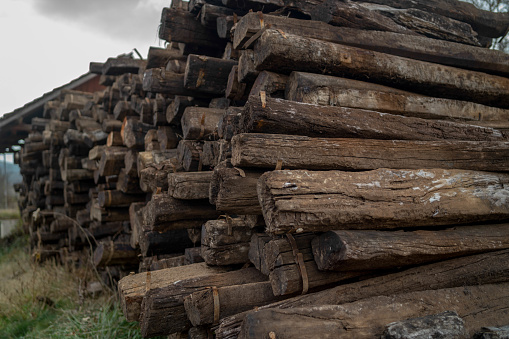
(215, 295)
(299, 260)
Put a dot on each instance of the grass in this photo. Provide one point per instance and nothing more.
(9, 214)
(49, 301)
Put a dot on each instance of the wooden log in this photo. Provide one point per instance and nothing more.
(273, 84)
(153, 179)
(228, 124)
(284, 272)
(247, 69)
(365, 250)
(181, 26)
(257, 251)
(159, 80)
(133, 133)
(235, 90)
(136, 221)
(154, 159)
(193, 255)
(273, 52)
(167, 263)
(233, 299)
(225, 242)
(115, 253)
(108, 215)
(298, 152)
(176, 66)
(409, 46)
(168, 300)
(273, 116)
(212, 153)
(101, 230)
(114, 139)
(110, 125)
(164, 212)
(167, 138)
(112, 160)
(189, 185)
(150, 140)
(447, 323)
(159, 57)
(207, 75)
(334, 91)
(61, 225)
(188, 155)
(132, 289)
(233, 190)
(122, 65)
(123, 109)
(224, 26)
(76, 175)
(179, 104)
(72, 198)
(199, 122)
(477, 305)
(127, 183)
(346, 201)
(487, 23)
(117, 198)
(209, 14)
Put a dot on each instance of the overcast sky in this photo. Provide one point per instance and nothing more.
(47, 43)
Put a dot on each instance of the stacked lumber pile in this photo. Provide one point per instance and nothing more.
(302, 169)
(359, 157)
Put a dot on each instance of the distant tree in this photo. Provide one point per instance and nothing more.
(495, 6)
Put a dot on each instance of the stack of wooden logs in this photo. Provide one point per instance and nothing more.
(351, 151)
(301, 169)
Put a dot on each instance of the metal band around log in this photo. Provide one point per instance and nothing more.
(148, 281)
(215, 295)
(299, 260)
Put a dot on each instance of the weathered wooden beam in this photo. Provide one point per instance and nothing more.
(168, 300)
(132, 289)
(115, 253)
(490, 24)
(477, 305)
(321, 201)
(121, 65)
(299, 152)
(181, 26)
(207, 75)
(189, 185)
(179, 104)
(288, 117)
(409, 46)
(233, 190)
(117, 198)
(347, 250)
(164, 212)
(200, 122)
(274, 52)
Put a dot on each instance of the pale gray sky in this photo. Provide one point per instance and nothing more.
(47, 43)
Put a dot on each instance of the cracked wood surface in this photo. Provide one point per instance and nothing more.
(307, 201)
